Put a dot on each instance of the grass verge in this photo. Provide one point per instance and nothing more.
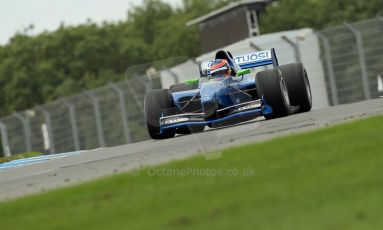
(326, 179)
(19, 156)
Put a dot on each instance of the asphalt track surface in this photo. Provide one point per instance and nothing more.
(89, 165)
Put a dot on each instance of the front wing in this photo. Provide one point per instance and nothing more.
(251, 108)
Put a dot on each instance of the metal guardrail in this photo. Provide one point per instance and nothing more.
(353, 60)
(352, 57)
(106, 116)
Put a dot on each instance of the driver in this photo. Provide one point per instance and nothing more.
(219, 68)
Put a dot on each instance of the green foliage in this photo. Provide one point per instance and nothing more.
(327, 179)
(37, 69)
(317, 14)
(19, 156)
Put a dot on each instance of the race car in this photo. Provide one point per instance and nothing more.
(227, 92)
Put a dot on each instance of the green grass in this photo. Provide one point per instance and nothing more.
(327, 179)
(19, 156)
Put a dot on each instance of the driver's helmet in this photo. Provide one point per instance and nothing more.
(219, 68)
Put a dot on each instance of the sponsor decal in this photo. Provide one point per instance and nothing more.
(251, 106)
(176, 120)
(255, 57)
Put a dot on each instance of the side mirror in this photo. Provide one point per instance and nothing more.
(192, 82)
(243, 72)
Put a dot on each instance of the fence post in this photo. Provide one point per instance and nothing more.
(124, 115)
(174, 75)
(295, 47)
(4, 139)
(330, 69)
(254, 46)
(148, 87)
(26, 130)
(73, 123)
(362, 60)
(136, 99)
(149, 74)
(48, 120)
(96, 108)
(379, 18)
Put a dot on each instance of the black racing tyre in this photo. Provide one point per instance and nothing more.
(190, 129)
(178, 87)
(270, 84)
(155, 102)
(298, 86)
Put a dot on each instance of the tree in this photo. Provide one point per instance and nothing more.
(317, 14)
(38, 69)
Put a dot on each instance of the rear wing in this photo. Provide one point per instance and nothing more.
(247, 61)
(261, 58)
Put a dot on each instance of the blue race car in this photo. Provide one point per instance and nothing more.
(227, 93)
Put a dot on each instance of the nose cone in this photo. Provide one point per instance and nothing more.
(210, 92)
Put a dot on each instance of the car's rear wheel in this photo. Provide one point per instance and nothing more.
(298, 85)
(271, 86)
(156, 101)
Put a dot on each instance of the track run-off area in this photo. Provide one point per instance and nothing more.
(35, 175)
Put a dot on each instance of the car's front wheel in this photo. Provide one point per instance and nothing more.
(156, 101)
(298, 85)
(272, 88)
